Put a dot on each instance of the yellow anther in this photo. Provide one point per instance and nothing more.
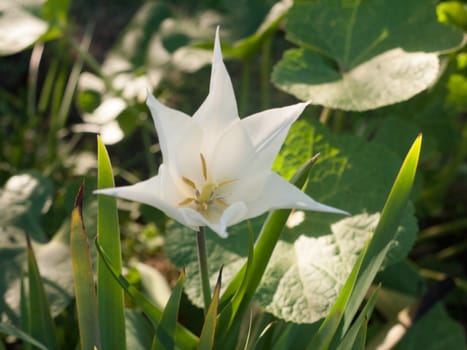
(189, 182)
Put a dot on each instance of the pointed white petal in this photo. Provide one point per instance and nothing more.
(151, 192)
(268, 129)
(235, 213)
(231, 215)
(186, 160)
(280, 194)
(219, 108)
(170, 124)
(230, 154)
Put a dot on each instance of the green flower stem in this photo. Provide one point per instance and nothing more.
(203, 268)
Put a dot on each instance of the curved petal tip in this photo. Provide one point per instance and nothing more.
(217, 57)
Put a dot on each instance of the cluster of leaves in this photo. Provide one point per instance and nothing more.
(353, 57)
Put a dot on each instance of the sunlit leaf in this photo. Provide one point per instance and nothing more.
(356, 55)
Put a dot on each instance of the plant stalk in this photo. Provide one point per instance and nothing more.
(203, 268)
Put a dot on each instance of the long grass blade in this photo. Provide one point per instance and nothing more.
(351, 336)
(323, 337)
(206, 339)
(183, 337)
(109, 293)
(41, 324)
(83, 276)
(165, 334)
(385, 230)
(24, 309)
(9, 329)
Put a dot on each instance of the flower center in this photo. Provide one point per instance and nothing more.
(208, 195)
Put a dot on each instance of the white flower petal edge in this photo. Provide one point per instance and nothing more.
(216, 167)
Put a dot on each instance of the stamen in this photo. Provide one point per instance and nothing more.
(220, 202)
(186, 202)
(189, 182)
(225, 182)
(205, 169)
(206, 196)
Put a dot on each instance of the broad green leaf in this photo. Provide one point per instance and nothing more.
(9, 329)
(356, 55)
(316, 251)
(206, 339)
(183, 336)
(109, 292)
(165, 333)
(83, 276)
(41, 324)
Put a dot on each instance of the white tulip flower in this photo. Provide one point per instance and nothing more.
(216, 167)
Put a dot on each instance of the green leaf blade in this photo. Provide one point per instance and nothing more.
(355, 55)
(86, 300)
(41, 324)
(109, 293)
(206, 339)
(322, 339)
(183, 336)
(165, 334)
(351, 337)
(386, 229)
(6, 328)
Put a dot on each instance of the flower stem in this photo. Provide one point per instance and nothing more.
(203, 268)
